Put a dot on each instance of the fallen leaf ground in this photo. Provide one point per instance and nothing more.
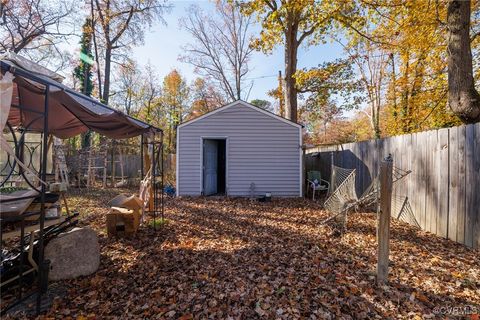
(233, 258)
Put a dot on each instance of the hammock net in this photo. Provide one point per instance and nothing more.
(342, 189)
(342, 194)
(369, 196)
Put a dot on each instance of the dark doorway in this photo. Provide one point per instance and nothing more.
(214, 166)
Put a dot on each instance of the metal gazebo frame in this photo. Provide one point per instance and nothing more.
(47, 83)
(157, 183)
(43, 176)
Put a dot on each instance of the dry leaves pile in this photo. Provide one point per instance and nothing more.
(233, 258)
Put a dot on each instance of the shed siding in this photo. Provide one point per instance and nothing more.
(260, 149)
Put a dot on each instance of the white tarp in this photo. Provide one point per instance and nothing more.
(6, 90)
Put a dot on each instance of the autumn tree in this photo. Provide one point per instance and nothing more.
(205, 98)
(150, 93)
(371, 63)
(292, 23)
(262, 104)
(174, 101)
(409, 37)
(331, 89)
(83, 71)
(138, 91)
(279, 97)
(118, 25)
(128, 85)
(463, 97)
(220, 49)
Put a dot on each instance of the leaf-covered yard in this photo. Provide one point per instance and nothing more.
(233, 258)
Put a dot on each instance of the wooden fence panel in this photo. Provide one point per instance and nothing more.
(462, 187)
(442, 189)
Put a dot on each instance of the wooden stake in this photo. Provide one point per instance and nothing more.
(383, 227)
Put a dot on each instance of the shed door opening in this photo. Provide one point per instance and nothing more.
(214, 164)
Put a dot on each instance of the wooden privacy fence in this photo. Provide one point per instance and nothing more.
(443, 189)
(132, 164)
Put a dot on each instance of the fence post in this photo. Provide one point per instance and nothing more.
(383, 225)
(332, 177)
(112, 159)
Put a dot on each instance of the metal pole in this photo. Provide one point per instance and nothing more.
(43, 174)
(161, 192)
(332, 177)
(154, 186)
(21, 153)
(22, 258)
(141, 158)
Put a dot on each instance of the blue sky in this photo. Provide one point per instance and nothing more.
(163, 45)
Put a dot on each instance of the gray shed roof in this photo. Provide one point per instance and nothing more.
(246, 104)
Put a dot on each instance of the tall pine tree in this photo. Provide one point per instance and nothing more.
(83, 72)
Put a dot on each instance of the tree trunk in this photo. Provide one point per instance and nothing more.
(463, 99)
(238, 84)
(85, 137)
(97, 58)
(406, 95)
(106, 80)
(291, 47)
(281, 96)
(375, 120)
(394, 81)
(170, 135)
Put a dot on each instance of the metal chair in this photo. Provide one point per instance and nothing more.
(316, 183)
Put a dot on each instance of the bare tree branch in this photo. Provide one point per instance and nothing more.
(34, 25)
(220, 50)
(121, 25)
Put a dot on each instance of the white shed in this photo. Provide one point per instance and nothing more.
(237, 150)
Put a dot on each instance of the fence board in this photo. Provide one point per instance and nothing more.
(441, 189)
(431, 210)
(476, 207)
(453, 185)
(420, 181)
(413, 178)
(407, 161)
(469, 182)
(443, 183)
(461, 206)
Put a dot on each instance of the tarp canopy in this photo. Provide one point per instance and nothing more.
(69, 112)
